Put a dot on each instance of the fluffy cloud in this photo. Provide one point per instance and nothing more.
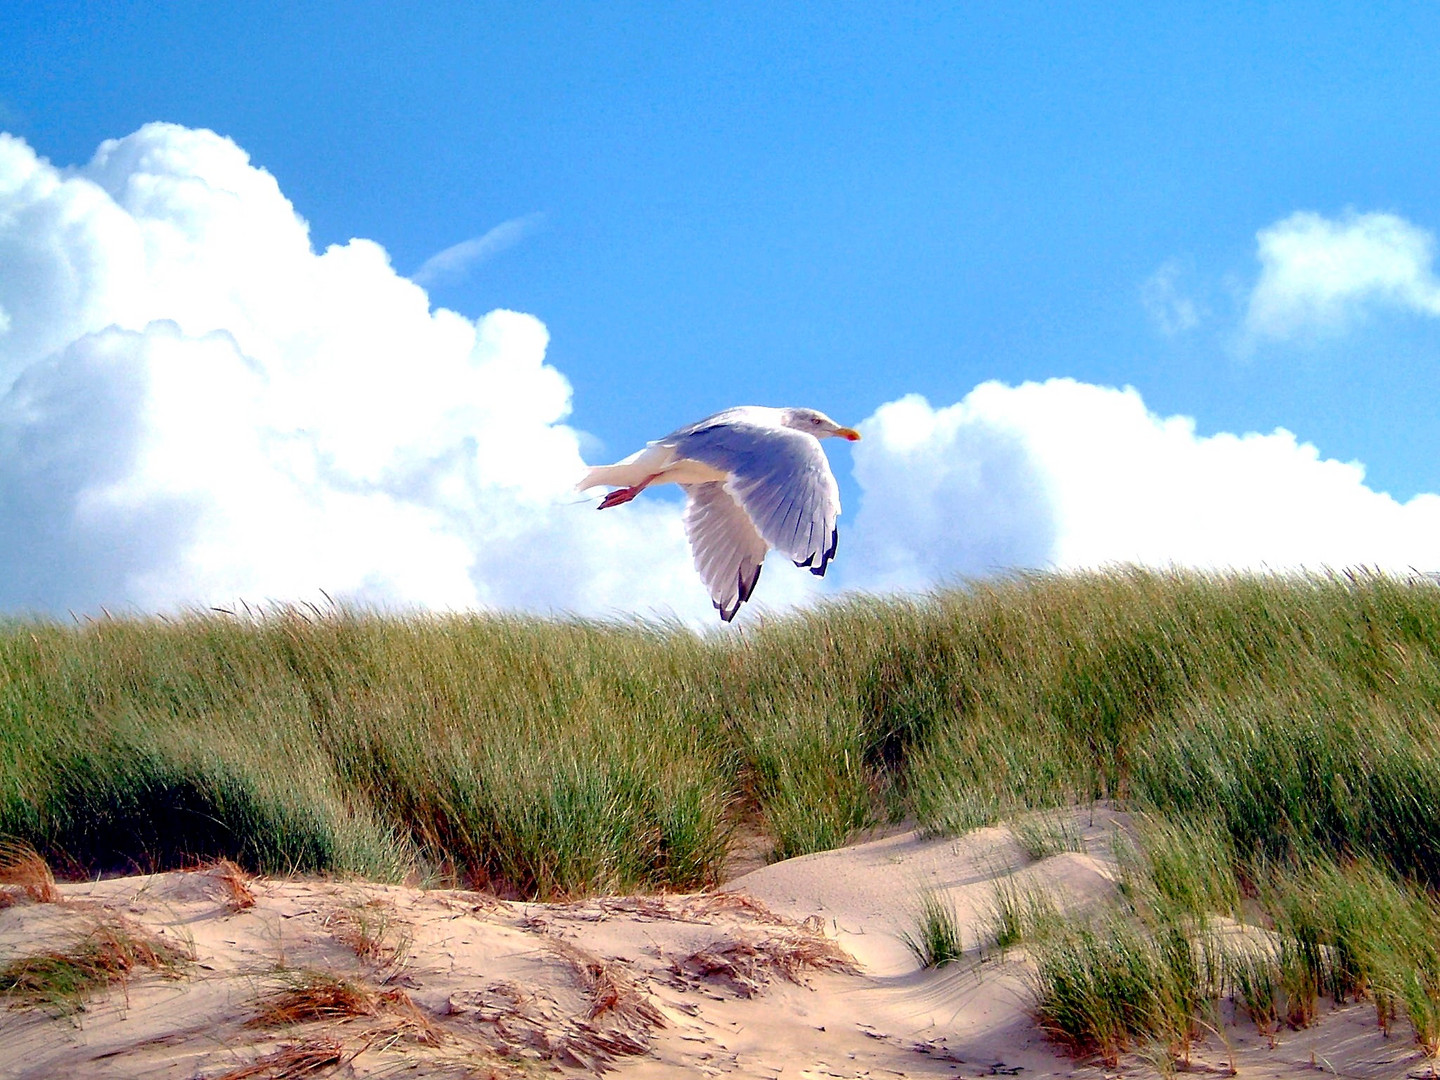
(1320, 275)
(1066, 474)
(946, 492)
(196, 406)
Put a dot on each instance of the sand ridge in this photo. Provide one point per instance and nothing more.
(793, 970)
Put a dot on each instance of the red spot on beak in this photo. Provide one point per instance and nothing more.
(848, 433)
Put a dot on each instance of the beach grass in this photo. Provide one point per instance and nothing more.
(109, 953)
(1196, 926)
(937, 939)
(1274, 738)
(558, 757)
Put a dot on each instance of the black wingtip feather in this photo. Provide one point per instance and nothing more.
(744, 588)
(819, 571)
(747, 587)
(825, 556)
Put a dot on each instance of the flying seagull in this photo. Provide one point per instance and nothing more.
(754, 478)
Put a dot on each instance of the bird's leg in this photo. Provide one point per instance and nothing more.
(625, 494)
(618, 496)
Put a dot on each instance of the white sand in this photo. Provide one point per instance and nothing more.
(510, 989)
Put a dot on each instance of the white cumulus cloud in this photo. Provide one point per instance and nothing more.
(197, 406)
(1321, 275)
(1065, 475)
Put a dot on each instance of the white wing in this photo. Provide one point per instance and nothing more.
(728, 550)
(779, 476)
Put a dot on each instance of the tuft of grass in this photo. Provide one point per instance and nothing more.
(937, 939)
(1419, 991)
(1274, 981)
(298, 1061)
(1045, 834)
(1019, 915)
(305, 996)
(21, 865)
(108, 955)
(1351, 930)
(1179, 868)
(1401, 959)
(374, 933)
(234, 884)
(1110, 986)
(1252, 971)
(1098, 988)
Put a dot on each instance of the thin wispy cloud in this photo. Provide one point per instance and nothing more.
(459, 259)
(1170, 307)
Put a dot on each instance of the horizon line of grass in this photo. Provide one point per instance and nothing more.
(556, 757)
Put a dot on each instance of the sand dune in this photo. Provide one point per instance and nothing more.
(793, 970)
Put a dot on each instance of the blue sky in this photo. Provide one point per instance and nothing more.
(828, 205)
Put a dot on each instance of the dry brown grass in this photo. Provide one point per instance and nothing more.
(110, 953)
(406, 1020)
(748, 963)
(297, 1062)
(618, 1019)
(612, 991)
(374, 933)
(232, 882)
(695, 908)
(306, 997)
(709, 903)
(21, 865)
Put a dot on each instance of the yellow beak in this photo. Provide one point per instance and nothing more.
(848, 433)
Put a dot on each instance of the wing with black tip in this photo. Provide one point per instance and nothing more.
(728, 551)
(782, 480)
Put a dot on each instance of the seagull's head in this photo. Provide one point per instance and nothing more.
(814, 422)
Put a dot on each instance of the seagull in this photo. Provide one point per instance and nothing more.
(754, 478)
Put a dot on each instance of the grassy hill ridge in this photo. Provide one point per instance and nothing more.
(550, 757)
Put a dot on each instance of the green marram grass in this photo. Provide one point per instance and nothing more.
(938, 938)
(555, 757)
(1047, 833)
(1150, 974)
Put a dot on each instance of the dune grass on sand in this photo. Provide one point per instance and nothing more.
(553, 757)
